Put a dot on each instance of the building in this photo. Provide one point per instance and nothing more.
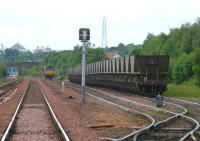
(111, 55)
(19, 47)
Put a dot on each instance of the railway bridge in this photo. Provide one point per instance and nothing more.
(15, 67)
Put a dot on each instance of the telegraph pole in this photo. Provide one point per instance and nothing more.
(84, 37)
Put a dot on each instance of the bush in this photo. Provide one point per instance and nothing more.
(196, 64)
(2, 70)
(35, 71)
(182, 69)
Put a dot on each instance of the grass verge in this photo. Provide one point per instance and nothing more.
(183, 90)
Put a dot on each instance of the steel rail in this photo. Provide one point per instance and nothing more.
(151, 107)
(167, 120)
(5, 136)
(133, 102)
(172, 118)
(187, 135)
(176, 115)
(9, 86)
(4, 85)
(184, 109)
(126, 109)
(191, 133)
(185, 101)
(59, 126)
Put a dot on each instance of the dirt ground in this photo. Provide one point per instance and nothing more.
(76, 118)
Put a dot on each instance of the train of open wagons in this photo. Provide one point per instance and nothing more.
(143, 75)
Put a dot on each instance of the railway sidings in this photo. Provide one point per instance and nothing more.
(106, 114)
(173, 127)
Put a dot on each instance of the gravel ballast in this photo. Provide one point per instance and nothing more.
(77, 118)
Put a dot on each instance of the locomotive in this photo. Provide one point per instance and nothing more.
(143, 75)
(49, 72)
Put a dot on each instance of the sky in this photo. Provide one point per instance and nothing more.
(55, 23)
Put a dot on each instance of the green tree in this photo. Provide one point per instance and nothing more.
(196, 64)
(10, 55)
(94, 55)
(182, 69)
(135, 51)
(64, 60)
(2, 70)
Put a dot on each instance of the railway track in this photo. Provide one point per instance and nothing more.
(8, 86)
(34, 119)
(109, 101)
(169, 129)
(194, 110)
(191, 109)
(175, 129)
(172, 132)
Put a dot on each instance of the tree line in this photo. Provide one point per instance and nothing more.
(182, 45)
(64, 60)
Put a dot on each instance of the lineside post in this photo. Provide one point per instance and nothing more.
(83, 72)
(84, 37)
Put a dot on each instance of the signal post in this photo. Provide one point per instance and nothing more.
(84, 37)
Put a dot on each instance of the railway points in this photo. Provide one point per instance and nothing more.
(184, 132)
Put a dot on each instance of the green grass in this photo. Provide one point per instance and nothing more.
(189, 112)
(186, 89)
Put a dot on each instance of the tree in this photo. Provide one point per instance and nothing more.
(135, 51)
(94, 55)
(196, 64)
(182, 69)
(2, 70)
(64, 60)
(11, 54)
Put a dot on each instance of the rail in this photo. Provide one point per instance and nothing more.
(176, 115)
(56, 122)
(150, 107)
(191, 133)
(172, 118)
(5, 136)
(4, 85)
(126, 109)
(157, 109)
(59, 126)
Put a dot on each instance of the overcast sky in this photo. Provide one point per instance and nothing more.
(56, 22)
